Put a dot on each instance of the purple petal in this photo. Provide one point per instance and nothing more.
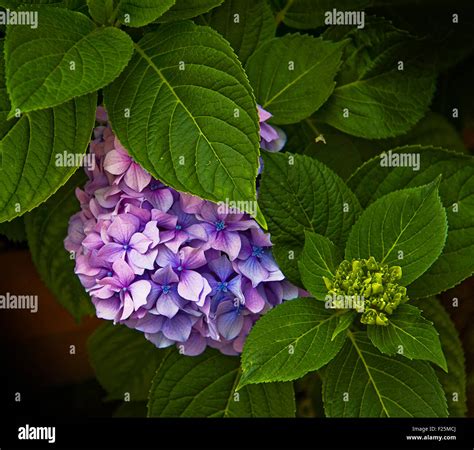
(108, 308)
(230, 324)
(123, 228)
(228, 242)
(111, 252)
(178, 328)
(117, 162)
(139, 292)
(221, 267)
(194, 346)
(191, 285)
(159, 340)
(192, 258)
(140, 242)
(124, 273)
(164, 276)
(253, 270)
(136, 177)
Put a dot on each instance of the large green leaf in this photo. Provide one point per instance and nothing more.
(320, 258)
(342, 152)
(298, 193)
(124, 361)
(246, 24)
(307, 14)
(30, 148)
(65, 57)
(14, 230)
(408, 334)
(294, 75)
(372, 181)
(46, 228)
(454, 382)
(374, 98)
(362, 382)
(137, 13)
(406, 228)
(187, 9)
(289, 341)
(205, 386)
(183, 126)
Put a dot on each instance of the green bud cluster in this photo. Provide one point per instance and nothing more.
(376, 283)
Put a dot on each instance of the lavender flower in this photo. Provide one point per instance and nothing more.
(167, 263)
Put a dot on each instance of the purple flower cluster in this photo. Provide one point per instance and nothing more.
(177, 268)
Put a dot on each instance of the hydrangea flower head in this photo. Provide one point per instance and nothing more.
(169, 264)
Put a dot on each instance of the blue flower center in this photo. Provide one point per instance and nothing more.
(179, 227)
(220, 225)
(125, 247)
(180, 268)
(257, 251)
(124, 289)
(154, 185)
(222, 286)
(166, 288)
(109, 274)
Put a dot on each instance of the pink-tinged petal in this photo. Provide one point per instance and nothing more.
(123, 271)
(253, 270)
(178, 328)
(140, 242)
(101, 114)
(192, 258)
(164, 276)
(245, 249)
(104, 291)
(254, 302)
(166, 257)
(93, 241)
(108, 197)
(123, 228)
(197, 231)
(195, 345)
(164, 220)
(166, 306)
(190, 285)
(277, 144)
(228, 242)
(230, 324)
(208, 212)
(117, 162)
(148, 324)
(128, 306)
(190, 204)
(139, 292)
(241, 225)
(152, 232)
(263, 114)
(84, 267)
(111, 252)
(159, 340)
(206, 290)
(107, 309)
(161, 199)
(136, 177)
(179, 238)
(140, 262)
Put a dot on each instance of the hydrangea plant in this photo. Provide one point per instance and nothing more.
(251, 196)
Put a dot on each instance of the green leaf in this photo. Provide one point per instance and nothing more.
(289, 341)
(362, 382)
(307, 14)
(454, 382)
(342, 152)
(187, 9)
(344, 322)
(65, 57)
(137, 13)
(124, 361)
(298, 193)
(131, 409)
(46, 228)
(406, 228)
(14, 231)
(205, 386)
(255, 25)
(373, 98)
(294, 75)
(70, 4)
(182, 126)
(320, 258)
(30, 150)
(372, 181)
(408, 334)
(101, 10)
